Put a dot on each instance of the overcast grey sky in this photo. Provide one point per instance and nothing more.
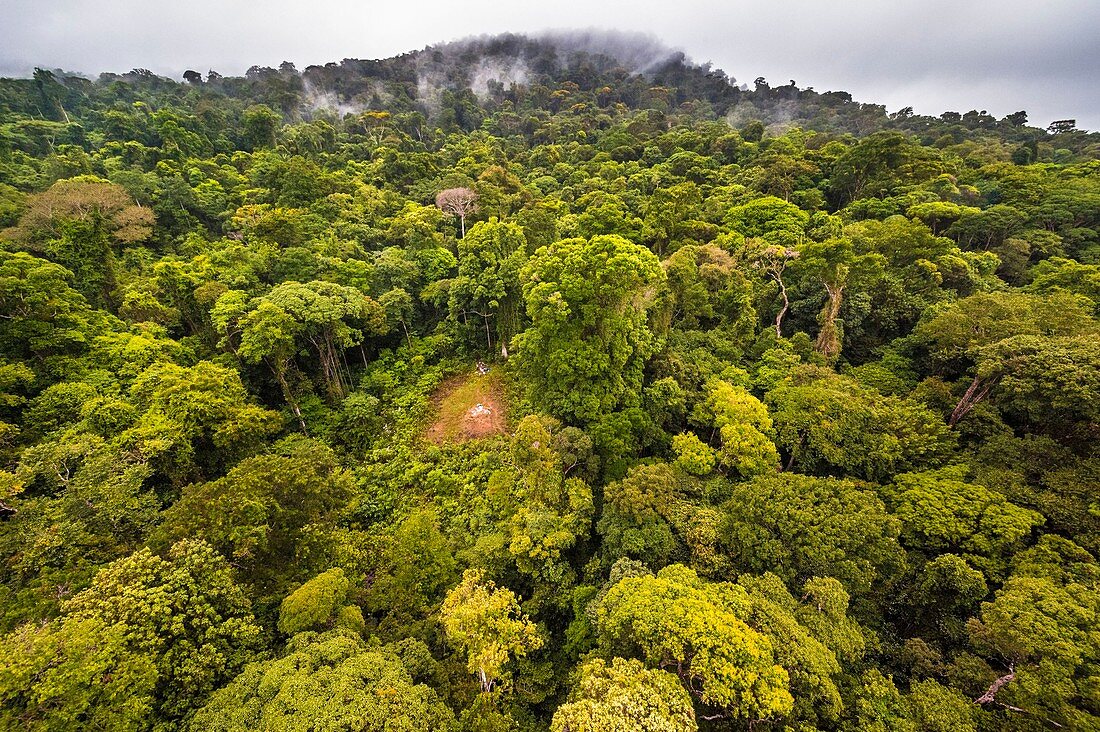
(934, 55)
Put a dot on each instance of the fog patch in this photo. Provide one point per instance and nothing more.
(498, 71)
(316, 99)
(638, 53)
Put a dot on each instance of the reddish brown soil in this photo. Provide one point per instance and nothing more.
(458, 416)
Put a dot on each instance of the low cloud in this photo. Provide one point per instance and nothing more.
(933, 55)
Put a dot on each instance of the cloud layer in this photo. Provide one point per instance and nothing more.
(934, 55)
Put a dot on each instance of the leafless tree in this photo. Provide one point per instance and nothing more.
(774, 260)
(458, 202)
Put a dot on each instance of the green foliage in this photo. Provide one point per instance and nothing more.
(799, 527)
(707, 288)
(485, 622)
(949, 584)
(327, 681)
(79, 673)
(773, 219)
(940, 512)
(49, 319)
(692, 454)
(325, 317)
(135, 647)
(194, 421)
(1041, 623)
(832, 422)
(936, 708)
(584, 352)
(490, 258)
(831, 372)
(79, 223)
(266, 511)
(635, 520)
(315, 604)
(838, 266)
(958, 330)
(879, 706)
(414, 570)
(258, 125)
(745, 428)
(625, 695)
(551, 511)
(676, 619)
(1048, 382)
(809, 662)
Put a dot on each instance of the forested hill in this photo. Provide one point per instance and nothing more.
(515, 82)
(542, 384)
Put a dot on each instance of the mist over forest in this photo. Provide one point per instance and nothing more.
(553, 382)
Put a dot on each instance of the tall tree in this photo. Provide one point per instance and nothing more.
(333, 680)
(678, 622)
(837, 265)
(133, 649)
(460, 202)
(587, 299)
(488, 284)
(799, 527)
(625, 695)
(81, 223)
(485, 622)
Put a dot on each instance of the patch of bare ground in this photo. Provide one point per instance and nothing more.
(468, 407)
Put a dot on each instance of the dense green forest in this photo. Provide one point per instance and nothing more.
(508, 385)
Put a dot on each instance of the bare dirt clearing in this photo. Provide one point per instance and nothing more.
(468, 407)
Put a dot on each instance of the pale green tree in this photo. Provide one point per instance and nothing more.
(485, 622)
(798, 527)
(315, 604)
(745, 428)
(624, 696)
(679, 622)
(330, 681)
(147, 642)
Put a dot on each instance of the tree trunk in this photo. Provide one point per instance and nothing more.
(330, 367)
(828, 340)
(783, 310)
(975, 393)
(991, 692)
(332, 370)
(280, 375)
